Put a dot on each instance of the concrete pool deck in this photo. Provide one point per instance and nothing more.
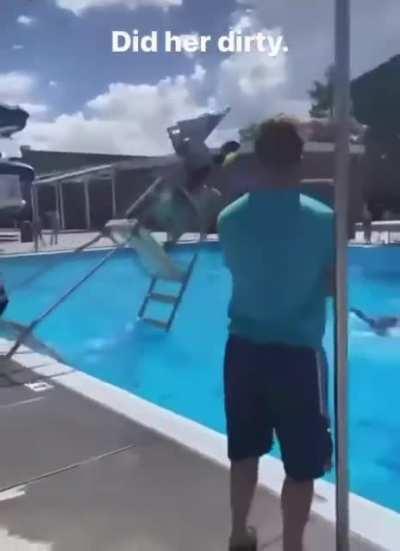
(67, 241)
(71, 240)
(75, 474)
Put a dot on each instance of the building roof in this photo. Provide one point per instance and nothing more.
(53, 166)
(50, 162)
(313, 147)
(104, 171)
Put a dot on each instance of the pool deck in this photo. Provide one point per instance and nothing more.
(69, 241)
(75, 475)
(74, 239)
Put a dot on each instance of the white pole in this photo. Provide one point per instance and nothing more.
(87, 205)
(113, 192)
(55, 188)
(35, 216)
(342, 161)
(61, 198)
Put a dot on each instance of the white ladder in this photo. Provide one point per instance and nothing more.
(173, 300)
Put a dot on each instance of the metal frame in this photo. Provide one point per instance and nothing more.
(342, 159)
(87, 205)
(35, 217)
(56, 181)
(114, 192)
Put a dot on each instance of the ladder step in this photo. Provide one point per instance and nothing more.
(157, 323)
(161, 297)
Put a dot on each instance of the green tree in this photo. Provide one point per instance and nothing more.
(322, 96)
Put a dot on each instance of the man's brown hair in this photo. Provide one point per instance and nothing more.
(278, 144)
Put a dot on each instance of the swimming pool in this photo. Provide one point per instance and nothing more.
(95, 331)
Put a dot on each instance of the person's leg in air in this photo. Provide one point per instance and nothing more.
(304, 436)
(249, 431)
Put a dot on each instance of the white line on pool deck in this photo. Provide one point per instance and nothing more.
(373, 523)
(20, 403)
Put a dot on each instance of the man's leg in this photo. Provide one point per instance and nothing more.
(296, 505)
(249, 430)
(244, 476)
(303, 432)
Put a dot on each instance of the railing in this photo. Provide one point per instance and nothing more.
(386, 232)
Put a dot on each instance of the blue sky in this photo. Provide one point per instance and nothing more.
(75, 52)
(56, 59)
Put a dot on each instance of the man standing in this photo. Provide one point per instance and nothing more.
(279, 248)
(367, 224)
(54, 220)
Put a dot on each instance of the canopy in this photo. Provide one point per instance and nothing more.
(12, 119)
(12, 175)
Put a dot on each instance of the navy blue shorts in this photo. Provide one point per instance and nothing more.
(277, 389)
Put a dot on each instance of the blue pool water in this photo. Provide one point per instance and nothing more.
(95, 331)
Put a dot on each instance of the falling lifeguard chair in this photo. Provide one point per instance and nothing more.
(177, 192)
(188, 139)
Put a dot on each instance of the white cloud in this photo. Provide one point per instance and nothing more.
(244, 21)
(127, 118)
(254, 84)
(53, 84)
(199, 73)
(16, 87)
(17, 47)
(79, 6)
(26, 20)
(35, 109)
(309, 30)
(132, 118)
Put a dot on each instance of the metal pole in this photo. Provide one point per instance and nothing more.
(342, 158)
(113, 192)
(30, 328)
(55, 187)
(61, 197)
(35, 217)
(87, 205)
